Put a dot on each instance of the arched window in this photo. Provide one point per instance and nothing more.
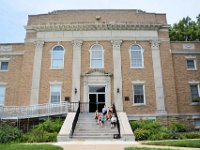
(96, 56)
(57, 57)
(136, 54)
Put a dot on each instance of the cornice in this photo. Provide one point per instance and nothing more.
(93, 26)
(12, 53)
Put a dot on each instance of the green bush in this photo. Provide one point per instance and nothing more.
(177, 127)
(9, 134)
(43, 132)
(153, 130)
(191, 135)
(141, 134)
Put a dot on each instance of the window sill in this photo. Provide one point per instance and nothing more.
(192, 69)
(3, 70)
(56, 68)
(137, 67)
(139, 104)
(195, 103)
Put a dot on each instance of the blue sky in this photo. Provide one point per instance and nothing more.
(14, 13)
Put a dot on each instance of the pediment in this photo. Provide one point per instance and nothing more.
(97, 72)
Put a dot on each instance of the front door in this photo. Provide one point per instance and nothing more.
(96, 98)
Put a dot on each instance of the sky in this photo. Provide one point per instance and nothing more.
(14, 13)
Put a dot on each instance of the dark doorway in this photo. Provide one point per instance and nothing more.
(96, 98)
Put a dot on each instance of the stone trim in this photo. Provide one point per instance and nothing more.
(93, 26)
(184, 52)
(158, 79)
(97, 78)
(6, 48)
(11, 53)
(118, 100)
(34, 100)
(76, 69)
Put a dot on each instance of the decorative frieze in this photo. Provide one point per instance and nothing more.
(93, 26)
(6, 48)
(188, 46)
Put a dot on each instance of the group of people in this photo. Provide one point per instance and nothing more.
(106, 115)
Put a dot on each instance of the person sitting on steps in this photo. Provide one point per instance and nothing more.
(113, 121)
(104, 110)
(96, 114)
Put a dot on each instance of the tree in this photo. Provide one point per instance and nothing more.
(185, 30)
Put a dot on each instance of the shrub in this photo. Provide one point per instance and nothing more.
(177, 127)
(153, 130)
(191, 135)
(9, 134)
(141, 134)
(43, 132)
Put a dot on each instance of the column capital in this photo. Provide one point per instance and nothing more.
(155, 44)
(39, 44)
(77, 43)
(116, 43)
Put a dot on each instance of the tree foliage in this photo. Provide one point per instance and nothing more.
(185, 30)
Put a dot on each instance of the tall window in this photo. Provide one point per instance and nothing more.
(3, 65)
(55, 96)
(136, 53)
(2, 94)
(194, 91)
(96, 56)
(57, 57)
(138, 94)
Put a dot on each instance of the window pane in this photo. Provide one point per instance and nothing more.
(135, 47)
(194, 91)
(136, 56)
(96, 88)
(4, 65)
(2, 94)
(138, 94)
(57, 63)
(96, 60)
(190, 64)
(55, 93)
(98, 63)
(97, 54)
(57, 57)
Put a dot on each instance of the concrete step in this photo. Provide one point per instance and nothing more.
(88, 128)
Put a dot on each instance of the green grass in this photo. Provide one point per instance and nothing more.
(179, 143)
(29, 147)
(145, 148)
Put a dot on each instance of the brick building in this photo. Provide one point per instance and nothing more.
(121, 57)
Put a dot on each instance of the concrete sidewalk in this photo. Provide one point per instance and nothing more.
(109, 145)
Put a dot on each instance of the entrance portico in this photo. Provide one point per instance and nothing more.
(97, 90)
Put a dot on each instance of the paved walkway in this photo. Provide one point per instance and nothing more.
(107, 145)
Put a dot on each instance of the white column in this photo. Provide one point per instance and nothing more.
(76, 70)
(36, 73)
(117, 75)
(160, 102)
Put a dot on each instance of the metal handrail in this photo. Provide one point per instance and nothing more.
(48, 109)
(75, 120)
(118, 124)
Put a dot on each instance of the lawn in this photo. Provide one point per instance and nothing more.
(179, 143)
(29, 147)
(144, 148)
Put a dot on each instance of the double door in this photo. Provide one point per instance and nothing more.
(96, 98)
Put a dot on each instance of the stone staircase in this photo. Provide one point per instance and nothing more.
(88, 128)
